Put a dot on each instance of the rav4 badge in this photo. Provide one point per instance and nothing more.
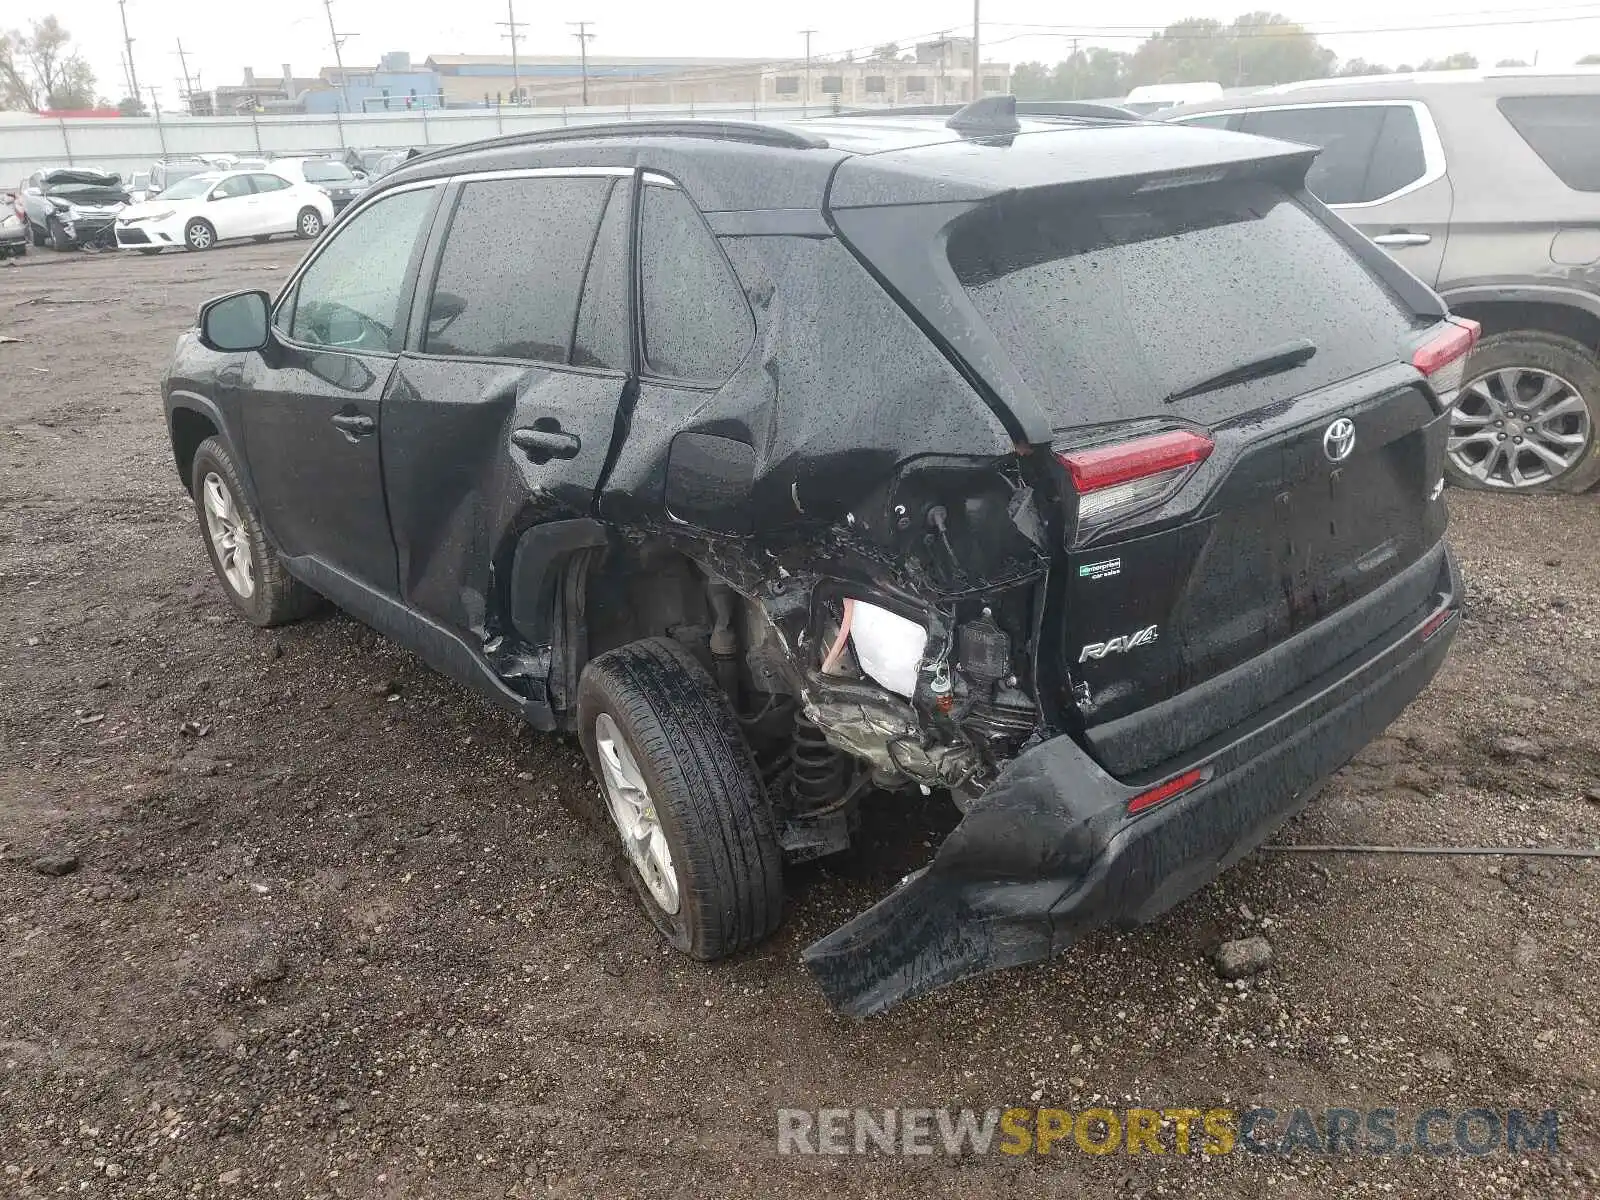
(1118, 645)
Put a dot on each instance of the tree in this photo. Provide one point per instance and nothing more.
(1360, 66)
(1452, 62)
(887, 52)
(1259, 48)
(1093, 74)
(39, 70)
(1032, 81)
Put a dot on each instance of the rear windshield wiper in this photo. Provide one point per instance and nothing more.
(1270, 362)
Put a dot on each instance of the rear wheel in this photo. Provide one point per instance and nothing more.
(679, 787)
(198, 234)
(309, 223)
(246, 565)
(1528, 417)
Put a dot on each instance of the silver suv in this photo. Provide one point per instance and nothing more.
(1486, 186)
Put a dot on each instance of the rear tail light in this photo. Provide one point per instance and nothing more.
(1443, 358)
(1116, 481)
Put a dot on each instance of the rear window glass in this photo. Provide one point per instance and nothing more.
(1107, 313)
(1561, 130)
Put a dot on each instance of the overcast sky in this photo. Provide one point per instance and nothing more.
(222, 38)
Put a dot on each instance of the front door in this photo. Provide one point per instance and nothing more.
(314, 398)
(275, 204)
(502, 415)
(231, 208)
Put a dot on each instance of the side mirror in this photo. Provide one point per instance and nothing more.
(235, 323)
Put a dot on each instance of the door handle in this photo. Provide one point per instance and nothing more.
(1401, 238)
(354, 425)
(541, 445)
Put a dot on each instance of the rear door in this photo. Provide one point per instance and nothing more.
(1229, 319)
(275, 208)
(502, 412)
(1381, 168)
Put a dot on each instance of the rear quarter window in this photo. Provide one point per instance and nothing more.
(1564, 131)
(1105, 313)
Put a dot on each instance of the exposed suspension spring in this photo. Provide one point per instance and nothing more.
(818, 772)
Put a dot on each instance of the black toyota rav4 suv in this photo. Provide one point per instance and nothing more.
(1085, 469)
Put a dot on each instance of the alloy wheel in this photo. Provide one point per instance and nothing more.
(310, 225)
(1518, 427)
(229, 535)
(633, 811)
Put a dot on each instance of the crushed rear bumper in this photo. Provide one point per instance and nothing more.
(1049, 852)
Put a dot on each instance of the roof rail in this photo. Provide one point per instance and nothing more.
(1080, 110)
(1091, 110)
(733, 131)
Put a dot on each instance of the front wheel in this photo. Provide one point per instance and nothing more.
(58, 236)
(38, 236)
(199, 235)
(1528, 417)
(246, 565)
(680, 789)
(309, 223)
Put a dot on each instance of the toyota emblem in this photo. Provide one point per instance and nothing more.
(1339, 439)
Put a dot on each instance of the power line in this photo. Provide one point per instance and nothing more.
(584, 38)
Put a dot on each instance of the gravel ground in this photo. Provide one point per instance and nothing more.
(337, 928)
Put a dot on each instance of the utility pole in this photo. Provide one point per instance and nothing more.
(188, 88)
(1074, 61)
(944, 53)
(807, 101)
(977, 80)
(127, 40)
(583, 35)
(511, 26)
(338, 57)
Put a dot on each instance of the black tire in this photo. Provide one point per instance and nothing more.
(704, 788)
(37, 235)
(58, 236)
(308, 223)
(1533, 350)
(277, 598)
(199, 234)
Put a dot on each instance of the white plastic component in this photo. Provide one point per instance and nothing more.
(888, 647)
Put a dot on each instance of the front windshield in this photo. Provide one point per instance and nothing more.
(189, 188)
(327, 172)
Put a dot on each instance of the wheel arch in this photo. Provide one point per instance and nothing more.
(1557, 311)
(189, 426)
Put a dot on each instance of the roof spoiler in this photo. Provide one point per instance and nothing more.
(989, 117)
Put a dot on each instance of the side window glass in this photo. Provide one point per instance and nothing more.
(1561, 131)
(1347, 135)
(695, 320)
(349, 297)
(1397, 159)
(601, 339)
(512, 267)
(234, 185)
(1217, 121)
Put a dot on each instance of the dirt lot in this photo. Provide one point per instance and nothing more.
(337, 929)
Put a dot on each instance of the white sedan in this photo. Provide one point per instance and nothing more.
(202, 210)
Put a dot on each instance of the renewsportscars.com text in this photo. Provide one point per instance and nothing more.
(1208, 1131)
